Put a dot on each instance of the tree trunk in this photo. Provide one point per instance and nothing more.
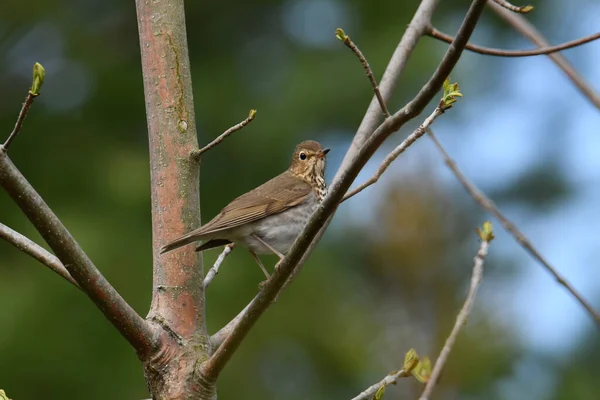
(177, 310)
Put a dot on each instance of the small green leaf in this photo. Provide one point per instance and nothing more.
(422, 371)
(39, 73)
(340, 34)
(3, 395)
(411, 359)
(451, 92)
(486, 232)
(252, 114)
(380, 392)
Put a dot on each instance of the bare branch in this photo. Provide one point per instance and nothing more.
(212, 367)
(39, 73)
(436, 34)
(36, 251)
(80, 267)
(210, 275)
(516, 9)
(521, 24)
(22, 114)
(350, 44)
(196, 154)
(390, 379)
(486, 237)
(490, 207)
(376, 391)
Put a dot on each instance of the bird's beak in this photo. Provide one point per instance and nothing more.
(323, 153)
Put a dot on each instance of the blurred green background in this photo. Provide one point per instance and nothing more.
(392, 271)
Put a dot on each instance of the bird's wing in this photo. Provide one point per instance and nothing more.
(277, 195)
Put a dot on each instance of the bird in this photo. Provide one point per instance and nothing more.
(269, 218)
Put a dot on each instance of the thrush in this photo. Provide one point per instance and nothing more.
(268, 219)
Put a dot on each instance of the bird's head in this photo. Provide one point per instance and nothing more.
(308, 161)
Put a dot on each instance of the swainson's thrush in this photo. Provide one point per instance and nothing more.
(267, 220)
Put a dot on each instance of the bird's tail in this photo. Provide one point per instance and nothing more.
(182, 241)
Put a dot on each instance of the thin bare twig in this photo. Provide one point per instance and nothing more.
(20, 119)
(406, 143)
(516, 9)
(486, 237)
(436, 34)
(36, 251)
(196, 154)
(210, 275)
(527, 29)
(348, 172)
(369, 392)
(39, 73)
(350, 44)
(490, 207)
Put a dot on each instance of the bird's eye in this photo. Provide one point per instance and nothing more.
(302, 156)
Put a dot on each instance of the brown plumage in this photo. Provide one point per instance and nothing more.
(267, 219)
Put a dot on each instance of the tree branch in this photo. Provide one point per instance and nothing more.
(261, 302)
(390, 379)
(411, 362)
(510, 7)
(529, 31)
(80, 267)
(210, 275)
(36, 251)
(197, 153)
(350, 44)
(20, 119)
(39, 73)
(490, 207)
(486, 237)
(436, 34)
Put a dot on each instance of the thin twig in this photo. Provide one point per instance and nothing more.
(406, 143)
(490, 207)
(516, 9)
(461, 319)
(196, 154)
(210, 275)
(213, 366)
(436, 34)
(352, 46)
(20, 119)
(527, 29)
(36, 251)
(388, 380)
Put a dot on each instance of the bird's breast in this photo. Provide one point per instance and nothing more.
(280, 230)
